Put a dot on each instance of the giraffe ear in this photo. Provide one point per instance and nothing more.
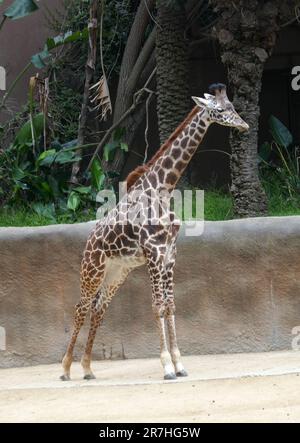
(200, 101)
(209, 96)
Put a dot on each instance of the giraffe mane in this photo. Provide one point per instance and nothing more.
(140, 170)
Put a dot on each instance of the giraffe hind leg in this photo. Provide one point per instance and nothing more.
(92, 275)
(81, 310)
(97, 313)
(114, 278)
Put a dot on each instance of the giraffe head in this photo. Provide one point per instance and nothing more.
(220, 109)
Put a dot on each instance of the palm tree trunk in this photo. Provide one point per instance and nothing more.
(247, 32)
(248, 194)
(173, 101)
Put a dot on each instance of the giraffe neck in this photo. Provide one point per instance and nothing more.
(170, 166)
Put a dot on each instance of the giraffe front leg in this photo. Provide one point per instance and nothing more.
(156, 271)
(170, 315)
(175, 353)
(165, 357)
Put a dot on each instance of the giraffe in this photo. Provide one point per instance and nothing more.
(115, 248)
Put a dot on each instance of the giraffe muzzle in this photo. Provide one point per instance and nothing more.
(244, 127)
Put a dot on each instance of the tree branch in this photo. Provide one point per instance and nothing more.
(89, 74)
(131, 54)
(141, 61)
(134, 120)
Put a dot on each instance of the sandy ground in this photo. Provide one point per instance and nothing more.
(220, 388)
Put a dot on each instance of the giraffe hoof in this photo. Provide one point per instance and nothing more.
(182, 373)
(170, 376)
(89, 377)
(65, 377)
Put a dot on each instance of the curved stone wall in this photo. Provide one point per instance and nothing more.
(237, 290)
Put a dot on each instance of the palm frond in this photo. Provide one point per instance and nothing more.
(101, 97)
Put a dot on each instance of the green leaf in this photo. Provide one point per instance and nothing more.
(46, 158)
(20, 8)
(24, 135)
(109, 148)
(21, 185)
(62, 204)
(73, 201)
(97, 174)
(53, 42)
(45, 187)
(64, 157)
(18, 174)
(53, 183)
(43, 210)
(124, 147)
(83, 189)
(40, 60)
(265, 151)
(280, 132)
(68, 37)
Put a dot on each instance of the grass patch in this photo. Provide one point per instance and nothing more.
(217, 206)
(280, 203)
(280, 206)
(18, 217)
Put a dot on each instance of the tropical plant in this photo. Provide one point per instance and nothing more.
(18, 9)
(281, 157)
(68, 71)
(37, 178)
(35, 171)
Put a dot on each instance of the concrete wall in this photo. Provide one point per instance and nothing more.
(237, 289)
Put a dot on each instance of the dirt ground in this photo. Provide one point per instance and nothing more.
(220, 388)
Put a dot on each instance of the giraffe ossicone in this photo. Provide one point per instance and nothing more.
(115, 248)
